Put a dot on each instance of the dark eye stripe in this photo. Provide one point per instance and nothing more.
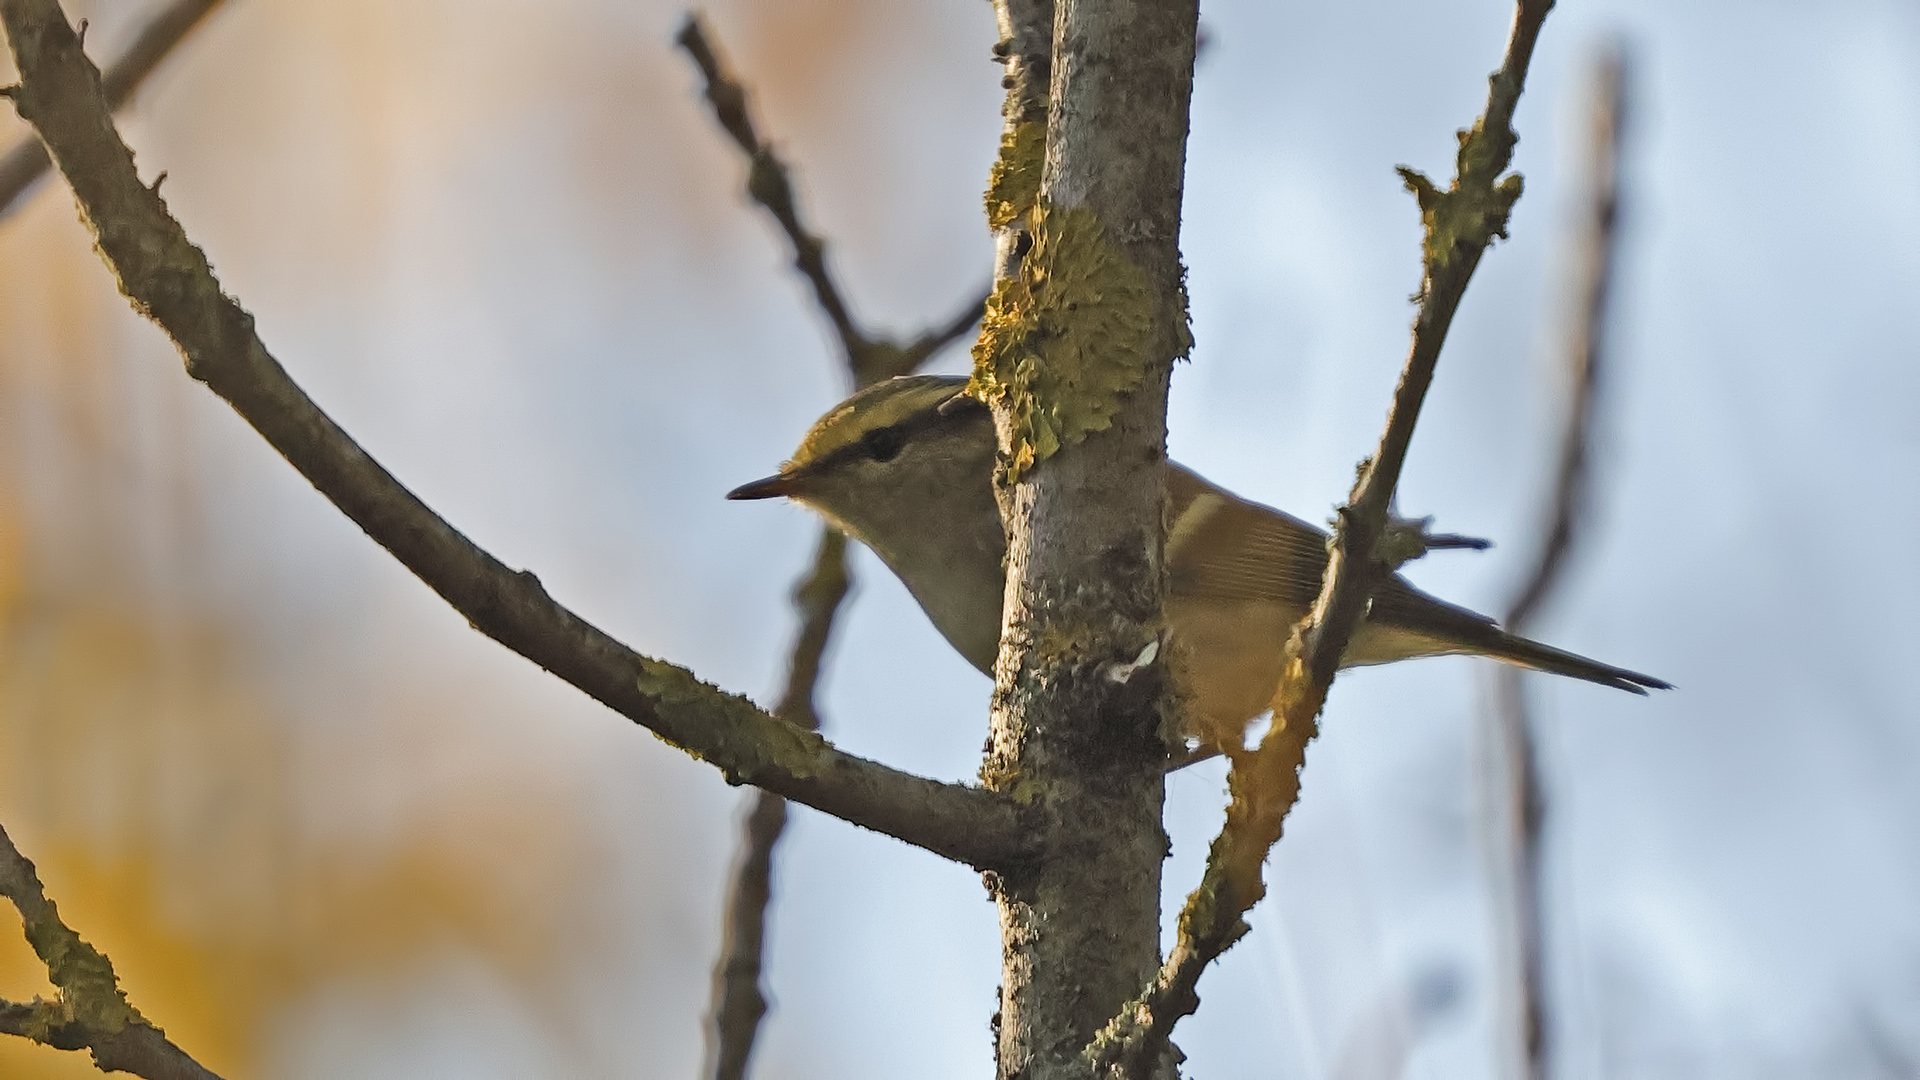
(956, 409)
(883, 444)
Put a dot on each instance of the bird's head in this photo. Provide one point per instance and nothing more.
(905, 455)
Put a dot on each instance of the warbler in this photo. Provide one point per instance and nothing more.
(906, 467)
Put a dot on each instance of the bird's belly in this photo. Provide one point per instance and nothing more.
(1227, 659)
(1226, 663)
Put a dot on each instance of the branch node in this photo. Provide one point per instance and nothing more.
(1406, 539)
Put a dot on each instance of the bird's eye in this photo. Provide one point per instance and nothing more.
(883, 444)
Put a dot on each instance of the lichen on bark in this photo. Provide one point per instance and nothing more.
(1065, 338)
(1013, 185)
(747, 747)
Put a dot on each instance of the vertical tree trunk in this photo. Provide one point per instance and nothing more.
(1077, 726)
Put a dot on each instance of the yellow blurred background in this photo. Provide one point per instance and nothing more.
(246, 776)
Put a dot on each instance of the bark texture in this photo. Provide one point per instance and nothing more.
(1081, 693)
(89, 1010)
(23, 166)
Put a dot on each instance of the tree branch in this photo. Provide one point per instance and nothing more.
(90, 1010)
(870, 359)
(1525, 794)
(738, 1001)
(1593, 288)
(1075, 353)
(23, 165)
(168, 279)
(1460, 223)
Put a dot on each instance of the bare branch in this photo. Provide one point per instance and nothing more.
(1075, 355)
(1460, 223)
(90, 1011)
(869, 358)
(1593, 288)
(884, 359)
(1525, 795)
(738, 1002)
(23, 165)
(169, 279)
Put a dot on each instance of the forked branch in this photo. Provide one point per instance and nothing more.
(90, 1011)
(1460, 223)
(870, 358)
(739, 1003)
(169, 279)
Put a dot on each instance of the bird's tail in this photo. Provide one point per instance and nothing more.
(1526, 653)
(1448, 628)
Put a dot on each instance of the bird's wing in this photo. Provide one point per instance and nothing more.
(1222, 547)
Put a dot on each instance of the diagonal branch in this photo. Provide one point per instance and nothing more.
(1524, 796)
(90, 1010)
(1460, 223)
(23, 165)
(870, 359)
(168, 279)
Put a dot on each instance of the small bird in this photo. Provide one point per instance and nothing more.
(906, 467)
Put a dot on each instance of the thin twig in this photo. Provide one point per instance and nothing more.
(1460, 222)
(26, 162)
(739, 1003)
(168, 279)
(89, 1011)
(870, 358)
(1524, 795)
(1593, 287)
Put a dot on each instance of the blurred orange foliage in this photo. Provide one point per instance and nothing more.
(151, 765)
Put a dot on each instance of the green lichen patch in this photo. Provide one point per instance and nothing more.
(1065, 339)
(746, 741)
(1013, 185)
(90, 994)
(1464, 217)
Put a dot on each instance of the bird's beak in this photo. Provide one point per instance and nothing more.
(773, 487)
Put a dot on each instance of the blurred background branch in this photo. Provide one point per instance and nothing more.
(739, 999)
(1518, 786)
(23, 164)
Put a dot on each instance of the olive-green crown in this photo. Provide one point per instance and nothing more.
(880, 405)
